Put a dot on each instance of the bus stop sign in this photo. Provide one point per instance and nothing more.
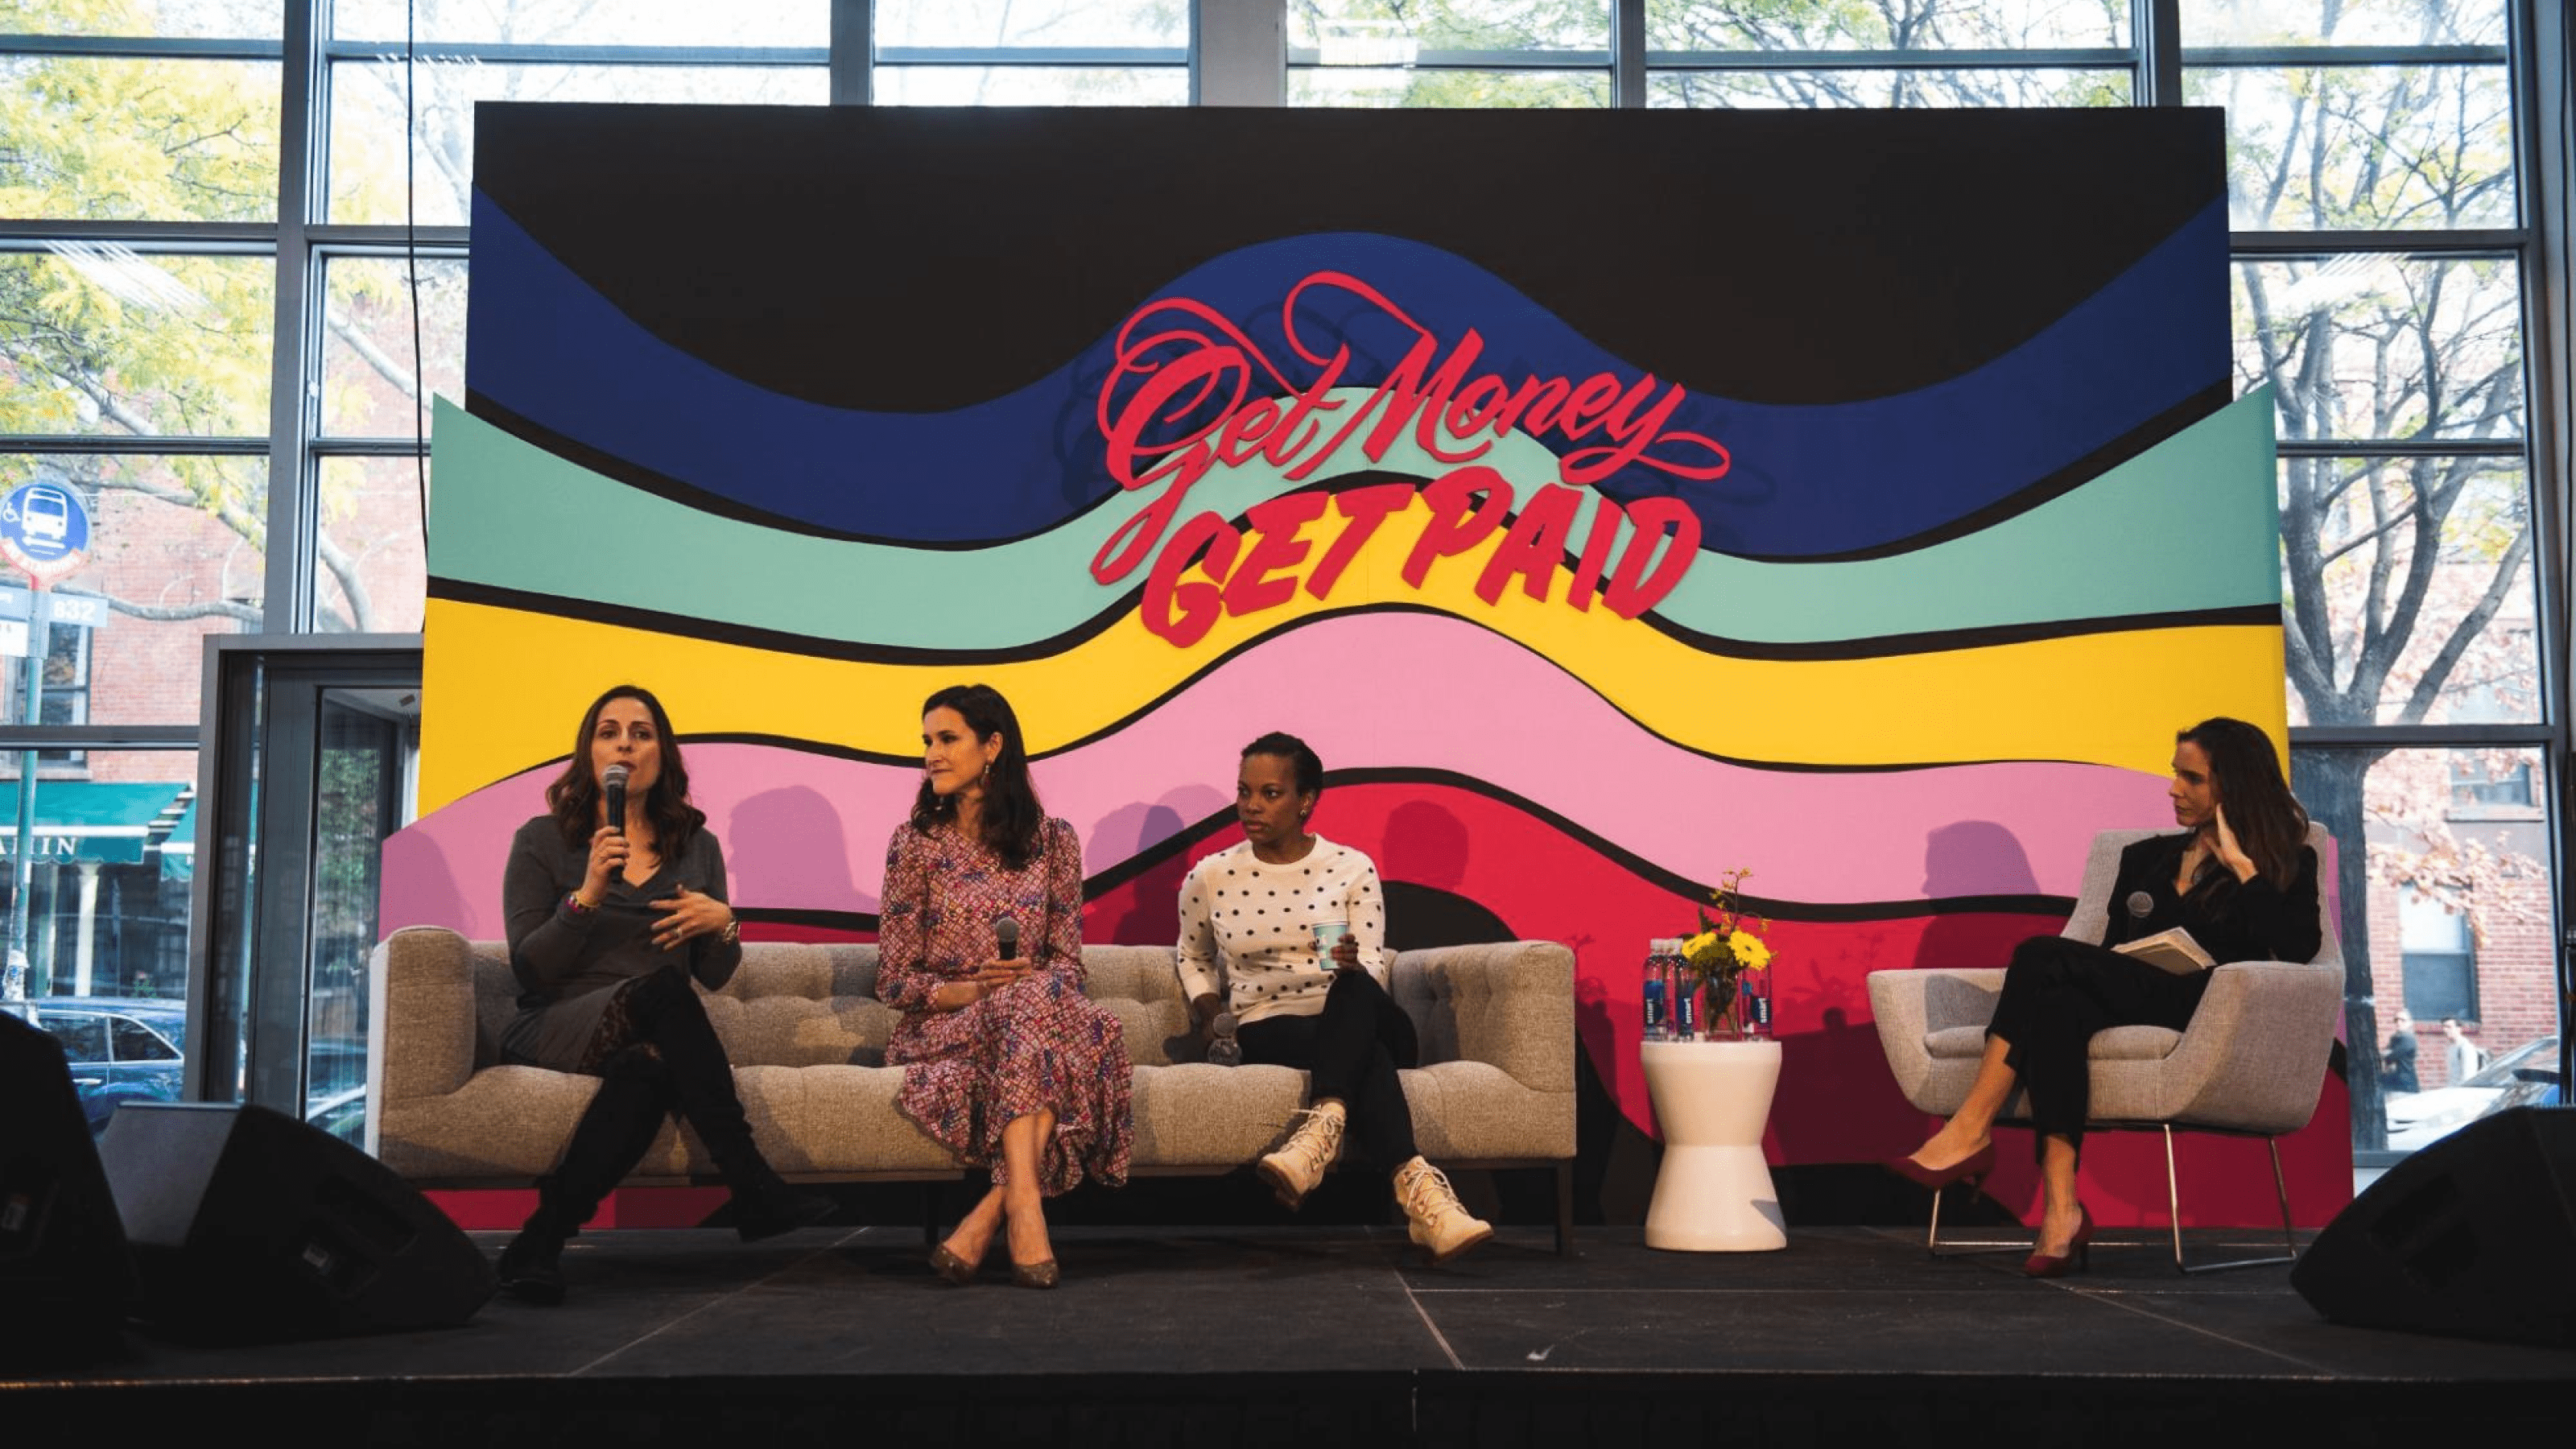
(44, 530)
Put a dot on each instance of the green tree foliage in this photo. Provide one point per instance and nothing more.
(102, 339)
(1369, 49)
(2396, 570)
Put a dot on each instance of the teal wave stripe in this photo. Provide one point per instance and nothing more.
(2167, 531)
(2173, 530)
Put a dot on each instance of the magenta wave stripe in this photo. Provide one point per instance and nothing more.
(1381, 690)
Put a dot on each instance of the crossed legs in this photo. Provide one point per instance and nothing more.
(1971, 1130)
(1014, 1200)
(2057, 994)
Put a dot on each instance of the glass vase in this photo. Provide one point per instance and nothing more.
(1720, 998)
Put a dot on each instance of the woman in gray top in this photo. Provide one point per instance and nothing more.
(610, 920)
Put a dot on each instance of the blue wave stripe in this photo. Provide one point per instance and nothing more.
(1806, 480)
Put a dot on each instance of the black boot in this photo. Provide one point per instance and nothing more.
(775, 1208)
(701, 1083)
(623, 1118)
(531, 1266)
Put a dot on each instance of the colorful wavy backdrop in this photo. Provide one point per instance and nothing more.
(1931, 641)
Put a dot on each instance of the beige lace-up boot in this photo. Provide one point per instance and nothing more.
(1299, 1164)
(1440, 1223)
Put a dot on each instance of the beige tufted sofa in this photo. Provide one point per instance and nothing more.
(807, 1037)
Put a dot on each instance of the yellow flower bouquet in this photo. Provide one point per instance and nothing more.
(1729, 944)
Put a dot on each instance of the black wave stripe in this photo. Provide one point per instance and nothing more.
(793, 916)
(2138, 440)
(1983, 637)
(1663, 879)
(910, 759)
(689, 495)
(780, 641)
(740, 737)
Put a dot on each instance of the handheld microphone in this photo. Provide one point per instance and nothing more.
(2141, 905)
(1006, 937)
(612, 790)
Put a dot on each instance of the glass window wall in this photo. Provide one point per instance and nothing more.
(2382, 280)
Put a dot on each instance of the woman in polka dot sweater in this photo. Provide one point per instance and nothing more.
(1248, 925)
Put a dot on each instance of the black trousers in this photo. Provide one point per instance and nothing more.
(1350, 1050)
(2057, 994)
(672, 1062)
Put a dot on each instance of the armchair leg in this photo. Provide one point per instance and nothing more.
(2280, 1186)
(1960, 1248)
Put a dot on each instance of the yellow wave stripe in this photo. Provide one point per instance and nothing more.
(506, 687)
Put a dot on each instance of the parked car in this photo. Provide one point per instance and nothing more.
(343, 1114)
(2526, 1076)
(122, 1049)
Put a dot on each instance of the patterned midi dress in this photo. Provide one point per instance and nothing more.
(1037, 1044)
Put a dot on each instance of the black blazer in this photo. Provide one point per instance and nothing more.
(2251, 920)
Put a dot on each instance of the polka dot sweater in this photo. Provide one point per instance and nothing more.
(1248, 927)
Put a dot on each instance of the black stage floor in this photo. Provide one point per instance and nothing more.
(1331, 1336)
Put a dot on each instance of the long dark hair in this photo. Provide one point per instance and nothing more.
(2268, 820)
(1010, 818)
(574, 796)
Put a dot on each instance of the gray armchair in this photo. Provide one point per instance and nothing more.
(2251, 1063)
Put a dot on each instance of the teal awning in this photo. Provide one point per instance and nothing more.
(108, 821)
(179, 847)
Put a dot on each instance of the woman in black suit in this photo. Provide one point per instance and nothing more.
(2240, 877)
(610, 921)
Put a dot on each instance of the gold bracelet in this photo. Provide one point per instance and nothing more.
(732, 933)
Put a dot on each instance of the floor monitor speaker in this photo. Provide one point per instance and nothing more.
(64, 1273)
(2474, 1236)
(247, 1225)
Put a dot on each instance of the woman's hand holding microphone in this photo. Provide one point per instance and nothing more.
(989, 977)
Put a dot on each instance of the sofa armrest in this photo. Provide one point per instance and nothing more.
(1911, 1005)
(420, 1016)
(1512, 1003)
(2254, 1058)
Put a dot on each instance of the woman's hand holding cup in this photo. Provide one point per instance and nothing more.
(1335, 949)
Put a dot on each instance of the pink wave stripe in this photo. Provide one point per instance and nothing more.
(799, 831)
(1377, 690)
(1428, 691)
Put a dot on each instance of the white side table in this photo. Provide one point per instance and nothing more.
(1713, 1193)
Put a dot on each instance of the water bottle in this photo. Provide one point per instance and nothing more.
(1658, 992)
(1753, 990)
(1685, 997)
(1223, 1049)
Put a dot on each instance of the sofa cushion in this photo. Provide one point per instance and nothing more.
(2120, 1043)
(807, 1035)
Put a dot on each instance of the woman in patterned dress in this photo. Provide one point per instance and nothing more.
(1006, 1063)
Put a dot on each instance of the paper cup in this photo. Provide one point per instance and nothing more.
(1329, 934)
